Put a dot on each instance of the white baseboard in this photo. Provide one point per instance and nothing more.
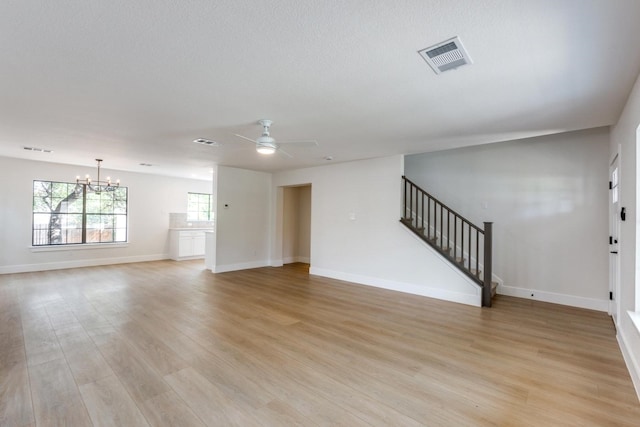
(60, 265)
(571, 300)
(632, 363)
(240, 266)
(291, 260)
(188, 258)
(409, 288)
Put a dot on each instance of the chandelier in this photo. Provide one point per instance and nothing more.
(98, 186)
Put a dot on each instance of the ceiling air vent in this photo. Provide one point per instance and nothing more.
(38, 150)
(445, 56)
(206, 142)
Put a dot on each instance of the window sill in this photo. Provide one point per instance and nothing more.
(635, 319)
(81, 247)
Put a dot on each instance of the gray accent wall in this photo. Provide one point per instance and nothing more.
(547, 197)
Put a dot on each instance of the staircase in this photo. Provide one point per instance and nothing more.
(467, 246)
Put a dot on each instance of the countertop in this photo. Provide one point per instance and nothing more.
(192, 229)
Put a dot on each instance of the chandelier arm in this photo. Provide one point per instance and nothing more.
(98, 186)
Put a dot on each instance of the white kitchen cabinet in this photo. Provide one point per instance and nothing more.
(186, 244)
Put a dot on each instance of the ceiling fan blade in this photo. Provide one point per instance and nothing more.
(281, 151)
(244, 137)
(301, 143)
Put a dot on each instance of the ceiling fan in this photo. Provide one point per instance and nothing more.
(266, 144)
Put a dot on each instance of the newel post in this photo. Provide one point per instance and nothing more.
(488, 260)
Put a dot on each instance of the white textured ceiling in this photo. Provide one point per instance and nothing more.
(137, 81)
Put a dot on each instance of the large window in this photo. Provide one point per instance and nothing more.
(69, 213)
(199, 207)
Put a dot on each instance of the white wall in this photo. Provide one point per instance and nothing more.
(547, 197)
(296, 224)
(151, 198)
(243, 219)
(624, 135)
(356, 234)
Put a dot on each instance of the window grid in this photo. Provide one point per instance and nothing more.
(69, 213)
(199, 207)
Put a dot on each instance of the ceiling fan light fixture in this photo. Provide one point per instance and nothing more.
(265, 139)
(266, 144)
(265, 149)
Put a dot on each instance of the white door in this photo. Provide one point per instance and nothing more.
(614, 233)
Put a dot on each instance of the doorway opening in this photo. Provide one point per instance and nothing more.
(296, 225)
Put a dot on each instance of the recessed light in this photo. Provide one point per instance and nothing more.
(146, 164)
(328, 158)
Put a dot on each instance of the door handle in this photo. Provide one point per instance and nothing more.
(613, 252)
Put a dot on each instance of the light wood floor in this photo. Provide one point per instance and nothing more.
(168, 343)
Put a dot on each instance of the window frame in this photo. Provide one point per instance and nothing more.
(83, 208)
(209, 211)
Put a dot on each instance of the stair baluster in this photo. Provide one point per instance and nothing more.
(476, 243)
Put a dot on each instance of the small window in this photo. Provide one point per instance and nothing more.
(69, 214)
(199, 207)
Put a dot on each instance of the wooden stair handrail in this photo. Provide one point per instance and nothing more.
(435, 220)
